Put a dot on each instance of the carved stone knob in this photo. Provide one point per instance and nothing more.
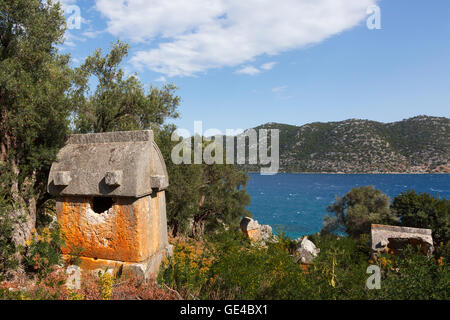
(113, 178)
(62, 178)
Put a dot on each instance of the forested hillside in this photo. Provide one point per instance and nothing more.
(416, 145)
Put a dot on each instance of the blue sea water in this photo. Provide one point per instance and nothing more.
(296, 203)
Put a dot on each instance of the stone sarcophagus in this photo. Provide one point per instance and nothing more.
(110, 201)
(394, 238)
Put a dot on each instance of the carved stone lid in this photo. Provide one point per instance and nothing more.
(123, 164)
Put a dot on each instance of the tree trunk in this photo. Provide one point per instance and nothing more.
(23, 199)
(24, 212)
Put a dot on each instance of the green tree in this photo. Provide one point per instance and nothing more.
(34, 104)
(223, 198)
(423, 211)
(202, 197)
(357, 210)
(119, 103)
(8, 248)
(185, 181)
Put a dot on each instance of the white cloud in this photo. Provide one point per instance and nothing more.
(250, 70)
(268, 66)
(161, 79)
(194, 36)
(70, 38)
(92, 34)
(279, 89)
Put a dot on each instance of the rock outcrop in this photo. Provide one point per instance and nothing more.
(73, 281)
(256, 232)
(306, 251)
(386, 237)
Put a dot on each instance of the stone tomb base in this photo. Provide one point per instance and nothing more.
(128, 237)
(143, 270)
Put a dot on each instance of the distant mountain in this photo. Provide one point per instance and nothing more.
(416, 145)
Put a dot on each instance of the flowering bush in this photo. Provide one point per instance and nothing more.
(43, 251)
(188, 270)
(106, 282)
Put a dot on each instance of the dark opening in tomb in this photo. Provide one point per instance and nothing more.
(399, 244)
(101, 204)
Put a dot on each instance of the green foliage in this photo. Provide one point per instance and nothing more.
(230, 267)
(244, 271)
(443, 252)
(33, 81)
(240, 270)
(119, 103)
(423, 211)
(188, 270)
(412, 277)
(199, 197)
(339, 271)
(74, 257)
(106, 282)
(287, 243)
(35, 104)
(357, 210)
(8, 249)
(202, 197)
(43, 251)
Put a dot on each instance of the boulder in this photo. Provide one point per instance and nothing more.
(73, 281)
(303, 256)
(306, 251)
(385, 237)
(255, 231)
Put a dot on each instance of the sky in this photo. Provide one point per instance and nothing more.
(239, 64)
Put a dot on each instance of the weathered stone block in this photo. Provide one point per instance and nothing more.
(111, 200)
(131, 230)
(73, 281)
(255, 231)
(306, 251)
(396, 238)
(90, 157)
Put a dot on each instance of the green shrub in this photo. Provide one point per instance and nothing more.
(239, 269)
(412, 276)
(44, 251)
(245, 271)
(287, 243)
(442, 251)
(8, 248)
(187, 271)
(339, 271)
(423, 211)
(357, 210)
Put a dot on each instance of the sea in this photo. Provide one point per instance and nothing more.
(296, 203)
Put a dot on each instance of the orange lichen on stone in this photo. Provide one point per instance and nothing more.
(254, 235)
(128, 231)
(110, 200)
(155, 233)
